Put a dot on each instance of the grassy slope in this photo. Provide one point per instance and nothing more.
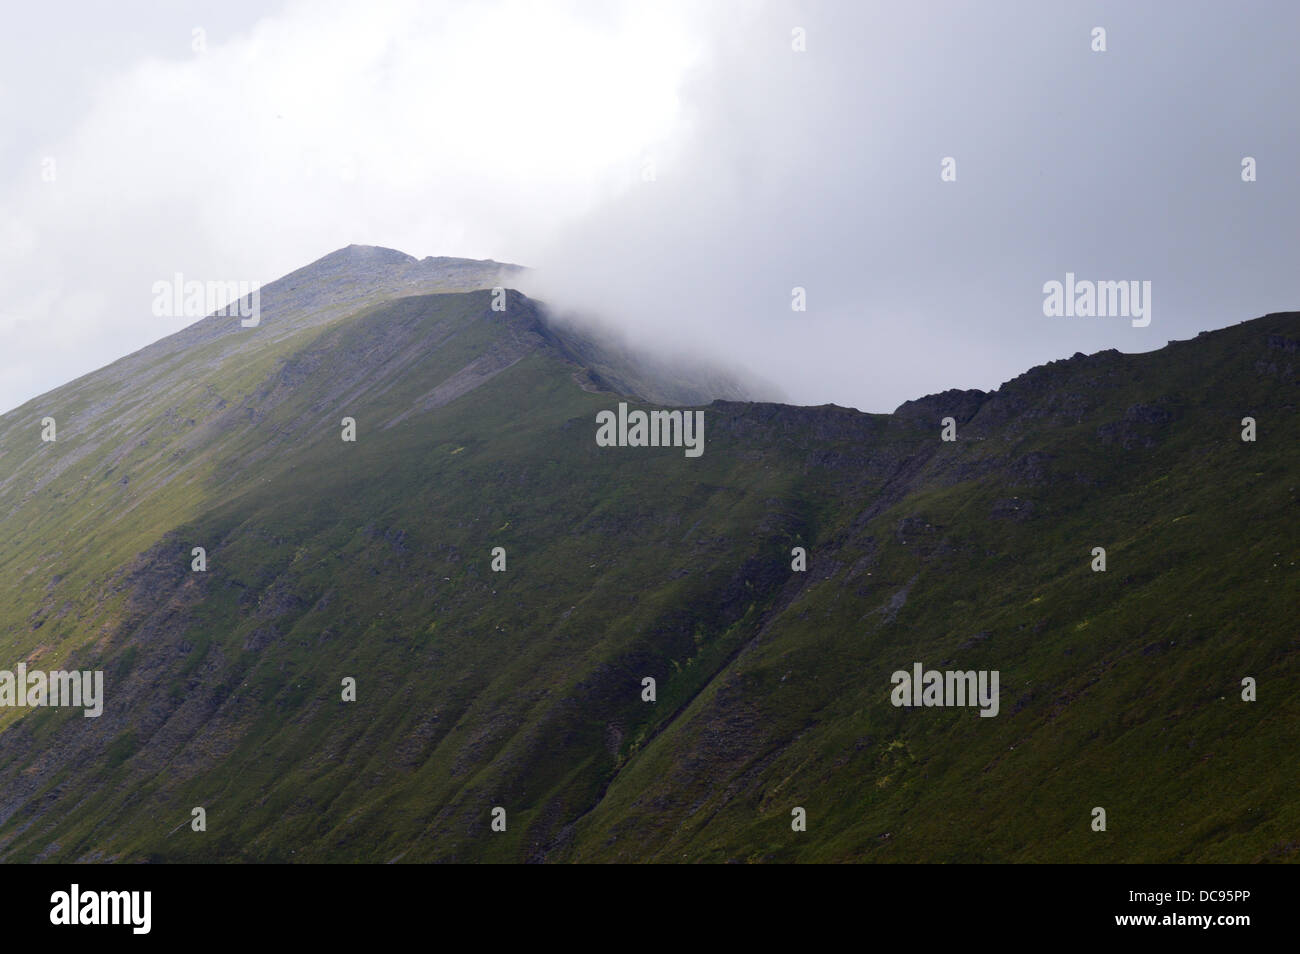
(522, 688)
(1119, 689)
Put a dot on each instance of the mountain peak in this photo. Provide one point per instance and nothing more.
(369, 255)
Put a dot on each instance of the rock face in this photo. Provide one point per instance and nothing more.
(372, 560)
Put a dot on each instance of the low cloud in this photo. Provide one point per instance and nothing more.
(676, 168)
(821, 170)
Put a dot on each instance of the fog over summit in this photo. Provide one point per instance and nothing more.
(920, 172)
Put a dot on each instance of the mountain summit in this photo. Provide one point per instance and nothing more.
(361, 582)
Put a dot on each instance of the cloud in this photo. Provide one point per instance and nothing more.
(675, 167)
(459, 129)
(820, 170)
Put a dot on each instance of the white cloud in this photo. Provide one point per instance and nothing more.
(457, 129)
(517, 130)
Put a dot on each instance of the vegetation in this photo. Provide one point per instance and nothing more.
(522, 688)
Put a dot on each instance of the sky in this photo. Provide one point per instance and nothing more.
(679, 169)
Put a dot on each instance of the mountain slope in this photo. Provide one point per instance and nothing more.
(522, 689)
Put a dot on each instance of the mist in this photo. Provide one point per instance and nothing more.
(676, 169)
(821, 170)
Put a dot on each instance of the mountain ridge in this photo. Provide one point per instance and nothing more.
(522, 688)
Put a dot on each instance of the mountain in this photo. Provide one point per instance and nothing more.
(371, 560)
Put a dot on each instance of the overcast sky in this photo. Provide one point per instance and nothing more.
(676, 167)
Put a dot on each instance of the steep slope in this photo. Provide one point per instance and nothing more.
(137, 440)
(522, 689)
(1120, 689)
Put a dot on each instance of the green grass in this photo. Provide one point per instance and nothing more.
(522, 689)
